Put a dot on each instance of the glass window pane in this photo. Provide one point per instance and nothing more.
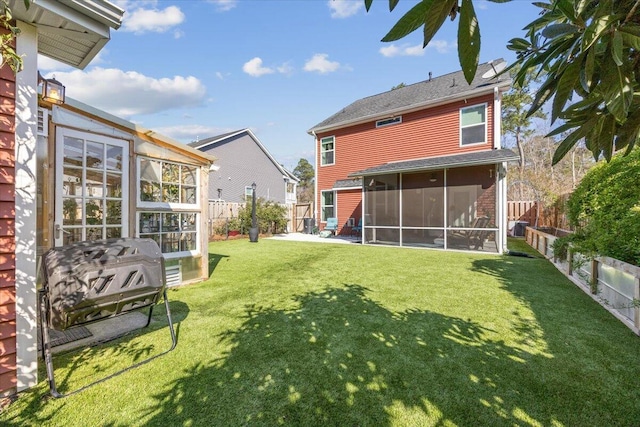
(188, 195)
(113, 232)
(189, 221)
(94, 212)
(71, 211)
(95, 155)
(73, 151)
(150, 191)
(94, 233)
(170, 173)
(114, 212)
(94, 183)
(472, 115)
(72, 182)
(114, 158)
(473, 135)
(188, 175)
(150, 170)
(170, 193)
(170, 222)
(327, 198)
(149, 222)
(71, 235)
(114, 184)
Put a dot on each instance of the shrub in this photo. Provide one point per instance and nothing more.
(605, 209)
(272, 217)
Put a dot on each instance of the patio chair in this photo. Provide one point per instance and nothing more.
(357, 229)
(332, 225)
(475, 238)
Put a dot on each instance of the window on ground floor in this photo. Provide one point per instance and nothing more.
(327, 205)
(175, 232)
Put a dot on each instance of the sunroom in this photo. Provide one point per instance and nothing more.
(450, 202)
(102, 177)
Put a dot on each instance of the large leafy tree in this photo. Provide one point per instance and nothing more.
(589, 51)
(305, 173)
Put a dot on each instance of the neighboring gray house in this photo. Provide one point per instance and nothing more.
(243, 160)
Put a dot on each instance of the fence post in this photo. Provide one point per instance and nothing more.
(594, 276)
(570, 261)
(636, 303)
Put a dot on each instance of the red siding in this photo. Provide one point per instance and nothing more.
(425, 133)
(349, 206)
(8, 379)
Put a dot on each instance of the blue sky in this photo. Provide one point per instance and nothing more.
(197, 68)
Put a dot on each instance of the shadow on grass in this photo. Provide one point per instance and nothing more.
(214, 260)
(103, 359)
(342, 359)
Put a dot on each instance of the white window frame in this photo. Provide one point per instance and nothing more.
(322, 151)
(248, 193)
(167, 205)
(389, 122)
(323, 218)
(485, 123)
(171, 255)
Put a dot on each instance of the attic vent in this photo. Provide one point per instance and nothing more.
(173, 275)
(43, 122)
(387, 122)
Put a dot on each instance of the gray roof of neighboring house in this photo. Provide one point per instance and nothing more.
(456, 160)
(202, 144)
(417, 96)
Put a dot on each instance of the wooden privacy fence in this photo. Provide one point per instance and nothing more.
(611, 282)
(536, 214)
(220, 212)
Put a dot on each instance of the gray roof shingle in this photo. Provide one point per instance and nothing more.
(467, 159)
(415, 95)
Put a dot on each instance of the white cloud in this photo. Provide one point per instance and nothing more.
(224, 5)
(126, 94)
(320, 64)
(152, 20)
(344, 8)
(285, 68)
(255, 69)
(189, 133)
(441, 46)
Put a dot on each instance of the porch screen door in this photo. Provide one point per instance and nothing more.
(92, 187)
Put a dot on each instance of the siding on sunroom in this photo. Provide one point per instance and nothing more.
(8, 377)
(426, 133)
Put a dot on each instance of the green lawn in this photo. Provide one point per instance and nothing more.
(291, 333)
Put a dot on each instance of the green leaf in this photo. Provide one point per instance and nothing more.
(558, 30)
(630, 35)
(468, 40)
(566, 145)
(617, 90)
(566, 84)
(393, 4)
(595, 30)
(518, 44)
(616, 48)
(545, 91)
(410, 21)
(436, 15)
(367, 4)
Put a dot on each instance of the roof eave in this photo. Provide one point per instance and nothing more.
(411, 108)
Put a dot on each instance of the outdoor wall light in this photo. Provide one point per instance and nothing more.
(433, 177)
(52, 90)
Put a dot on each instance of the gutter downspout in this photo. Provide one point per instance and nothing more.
(316, 196)
(501, 191)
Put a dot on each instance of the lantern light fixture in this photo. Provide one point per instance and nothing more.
(51, 90)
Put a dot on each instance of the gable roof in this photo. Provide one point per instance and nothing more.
(70, 31)
(417, 96)
(208, 143)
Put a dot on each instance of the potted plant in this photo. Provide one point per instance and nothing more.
(234, 226)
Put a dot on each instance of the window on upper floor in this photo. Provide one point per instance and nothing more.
(248, 193)
(326, 205)
(390, 121)
(327, 151)
(473, 125)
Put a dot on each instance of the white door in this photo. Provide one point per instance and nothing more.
(92, 187)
